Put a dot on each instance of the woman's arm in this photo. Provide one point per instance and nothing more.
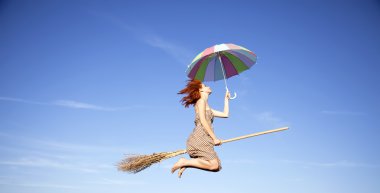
(226, 110)
(202, 116)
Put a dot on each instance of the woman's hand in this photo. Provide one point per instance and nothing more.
(228, 95)
(217, 142)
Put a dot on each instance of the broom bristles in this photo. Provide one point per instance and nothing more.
(137, 163)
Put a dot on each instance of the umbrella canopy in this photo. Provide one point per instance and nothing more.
(220, 62)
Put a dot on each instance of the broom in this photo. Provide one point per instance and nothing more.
(137, 163)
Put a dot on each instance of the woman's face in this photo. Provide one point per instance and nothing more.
(206, 89)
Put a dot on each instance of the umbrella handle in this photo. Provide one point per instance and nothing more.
(235, 95)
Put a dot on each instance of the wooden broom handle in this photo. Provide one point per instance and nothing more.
(255, 134)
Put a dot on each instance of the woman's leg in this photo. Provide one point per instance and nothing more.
(210, 165)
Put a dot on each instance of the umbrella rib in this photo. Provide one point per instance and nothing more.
(224, 74)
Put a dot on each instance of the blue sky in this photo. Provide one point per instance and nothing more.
(82, 83)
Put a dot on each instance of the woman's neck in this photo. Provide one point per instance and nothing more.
(204, 96)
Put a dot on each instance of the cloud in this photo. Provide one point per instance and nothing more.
(349, 113)
(40, 185)
(337, 164)
(57, 155)
(81, 105)
(78, 147)
(57, 146)
(57, 164)
(107, 181)
(22, 101)
(41, 157)
(181, 54)
(178, 52)
(240, 161)
(269, 119)
(70, 104)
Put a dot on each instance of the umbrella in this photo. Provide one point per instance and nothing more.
(219, 62)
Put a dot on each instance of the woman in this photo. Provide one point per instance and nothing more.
(201, 142)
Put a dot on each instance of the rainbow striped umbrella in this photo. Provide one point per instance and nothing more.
(219, 62)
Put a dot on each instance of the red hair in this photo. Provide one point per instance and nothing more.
(192, 91)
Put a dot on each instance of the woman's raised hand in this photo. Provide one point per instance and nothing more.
(228, 95)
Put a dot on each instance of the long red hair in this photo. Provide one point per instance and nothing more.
(192, 91)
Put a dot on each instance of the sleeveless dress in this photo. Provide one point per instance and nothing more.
(200, 144)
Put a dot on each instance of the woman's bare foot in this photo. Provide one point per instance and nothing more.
(178, 165)
(180, 172)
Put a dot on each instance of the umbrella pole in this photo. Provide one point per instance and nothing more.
(224, 76)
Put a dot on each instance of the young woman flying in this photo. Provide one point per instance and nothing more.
(201, 142)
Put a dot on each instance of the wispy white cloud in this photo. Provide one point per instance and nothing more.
(22, 101)
(107, 181)
(40, 185)
(38, 152)
(180, 53)
(165, 165)
(175, 50)
(72, 147)
(70, 104)
(270, 120)
(29, 152)
(268, 117)
(58, 146)
(36, 162)
(240, 161)
(337, 164)
(56, 164)
(349, 113)
(80, 105)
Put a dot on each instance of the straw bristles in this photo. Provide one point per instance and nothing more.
(137, 163)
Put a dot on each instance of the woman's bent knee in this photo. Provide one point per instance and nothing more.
(215, 166)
